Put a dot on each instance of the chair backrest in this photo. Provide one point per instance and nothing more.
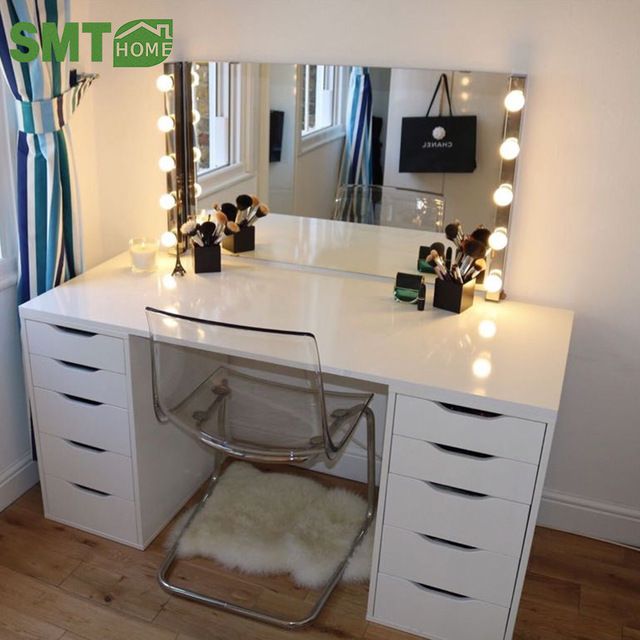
(390, 207)
(249, 391)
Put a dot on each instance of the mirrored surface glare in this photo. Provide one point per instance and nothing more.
(169, 282)
(197, 190)
(487, 329)
(197, 154)
(195, 115)
(168, 240)
(510, 149)
(481, 367)
(165, 124)
(493, 282)
(503, 195)
(514, 100)
(166, 164)
(498, 239)
(167, 201)
(164, 83)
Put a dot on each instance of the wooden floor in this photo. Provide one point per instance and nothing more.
(58, 582)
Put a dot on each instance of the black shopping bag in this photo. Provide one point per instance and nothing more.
(438, 144)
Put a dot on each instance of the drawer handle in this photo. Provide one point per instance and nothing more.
(445, 488)
(461, 452)
(95, 492)
(78, 332)
(93, 403)
(442, 592)
(448, 543)
(75, 365)
(474, 412)
(82, 445)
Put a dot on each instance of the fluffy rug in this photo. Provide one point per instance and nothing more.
(274, 523)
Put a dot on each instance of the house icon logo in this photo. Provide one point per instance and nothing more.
(142, 43)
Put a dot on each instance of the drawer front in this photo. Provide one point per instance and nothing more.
(434, 614)
(83, 382)
(102, 514)
(94, 468)
(95, 424)
(499, 477)
(488, 523)
(71, 345)
(502, 436)
(468, 571)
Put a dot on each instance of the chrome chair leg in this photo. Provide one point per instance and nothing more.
(315, 610)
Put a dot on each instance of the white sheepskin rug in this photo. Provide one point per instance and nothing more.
(274, 523)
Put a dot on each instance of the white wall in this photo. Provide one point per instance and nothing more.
(578, 179)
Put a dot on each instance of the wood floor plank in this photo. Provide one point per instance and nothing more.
(18, 625)
(623, 609)
(630, 634)
(552, 591)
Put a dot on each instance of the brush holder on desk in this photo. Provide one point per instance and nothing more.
(207, 259)
(244, 240)
(423, 265)
(450, 295)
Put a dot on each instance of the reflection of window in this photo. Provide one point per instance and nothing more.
(215, 95)
(319, 97)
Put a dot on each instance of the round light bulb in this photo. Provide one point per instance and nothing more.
(167, 201)
(493, 282)
(481, 367)
(166, 124)
(197, 190)
(487, 329)
(510, 149)
(168, 240)
(195, 115)
(514, 100)
(498, 239)
(195, 79)
(197, 154)
(503, 195)
(167, 163)
(164, 83)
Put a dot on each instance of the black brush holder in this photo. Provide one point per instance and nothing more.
(207, 259)
(450, 295)
(244, 240)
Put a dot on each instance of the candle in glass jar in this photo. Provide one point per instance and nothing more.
(143, 254)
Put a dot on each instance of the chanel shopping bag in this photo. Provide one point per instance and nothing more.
(438, 144)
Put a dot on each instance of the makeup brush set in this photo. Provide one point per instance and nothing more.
(246, 211)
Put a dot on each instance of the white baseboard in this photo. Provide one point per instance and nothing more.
(15, 481)
(590, 518)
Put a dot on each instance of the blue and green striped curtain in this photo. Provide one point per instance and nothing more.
(49, 231)
(356, 167)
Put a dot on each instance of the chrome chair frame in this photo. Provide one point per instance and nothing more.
(222, 452)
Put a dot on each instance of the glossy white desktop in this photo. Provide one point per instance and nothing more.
(459, 490)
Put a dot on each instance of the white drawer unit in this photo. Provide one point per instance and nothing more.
(437, 614)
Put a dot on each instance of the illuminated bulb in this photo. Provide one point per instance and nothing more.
(514, 100)
(481, 367)
(503, 195)
(487, 329)
(195, 79)
(197, 190)
(464, 95)
(498, 239)
(493, 282)
(164, 83)
(167, 201)
(169, 282)
(195, 115)
(167, 163)
(465, 81)
(166, 124)
(510, 149)
(197, 154)
(168, 239)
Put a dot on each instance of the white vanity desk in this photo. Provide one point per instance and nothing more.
(459, 491)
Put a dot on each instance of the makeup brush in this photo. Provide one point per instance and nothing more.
(244, 204)
(207, 232)
(472, 250)
(478, 267)
(481, 234)
(449, 256)
(221, 222)
(261, 211)
(230, 210)
(231, 229)
(438, 247)
(452, 231)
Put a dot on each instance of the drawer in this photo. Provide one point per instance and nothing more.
(499, 477)
(80, 381)
(72, 345)
(99, 513)
(468, 571)
(488, 523)
(96, 424)
(94, 468)
(502, 436)
(432, 613)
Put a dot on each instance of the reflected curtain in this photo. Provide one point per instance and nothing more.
(356, 167)
(49, 242)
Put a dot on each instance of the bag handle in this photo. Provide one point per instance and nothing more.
(442, 80)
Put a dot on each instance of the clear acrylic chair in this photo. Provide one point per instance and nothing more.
(256, 394)
(390, 207)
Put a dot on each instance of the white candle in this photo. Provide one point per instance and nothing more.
(143, 254)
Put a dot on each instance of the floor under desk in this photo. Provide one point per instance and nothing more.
(61, 583)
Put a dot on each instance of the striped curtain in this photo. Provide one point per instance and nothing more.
(49, 234)
(356, 167)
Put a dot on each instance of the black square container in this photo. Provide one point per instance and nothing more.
(207, 259)
(244, 240)
(450, 295)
